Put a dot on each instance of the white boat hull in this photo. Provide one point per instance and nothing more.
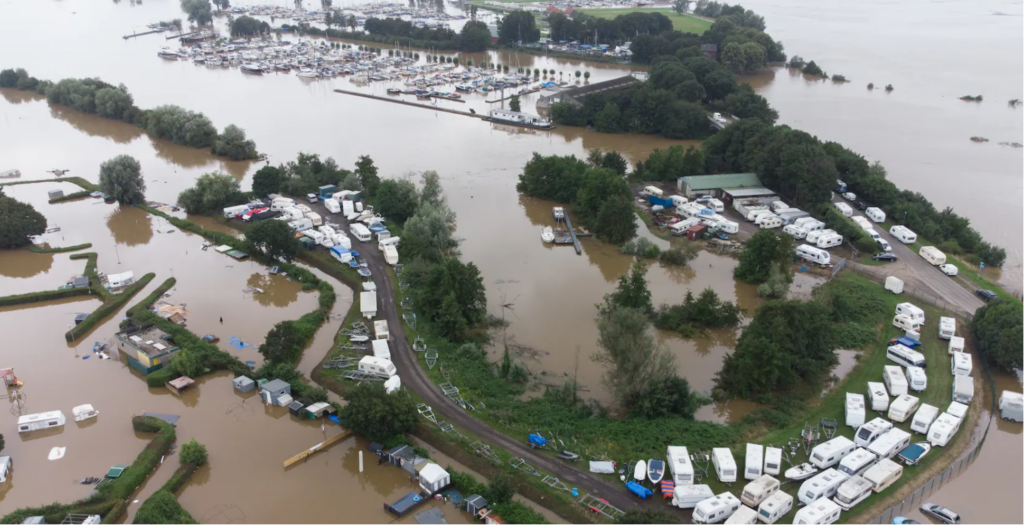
(801, 472)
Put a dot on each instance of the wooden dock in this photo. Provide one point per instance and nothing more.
(316, 448)
(572, 232)
(150, 32)
(407, 103)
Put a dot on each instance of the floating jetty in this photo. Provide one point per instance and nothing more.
(407, 103)
(316, 448)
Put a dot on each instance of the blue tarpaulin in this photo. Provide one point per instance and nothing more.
(654, 200)
(907, 342)
(537, 440)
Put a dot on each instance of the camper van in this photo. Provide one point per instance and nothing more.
(961, 364)
(1011, 406)
(947, 327)
(957, 410)
(890, 443)
(904, 234)
(775, 507)
(869, 432)
(854, 409)
(943, 429)
(796, 232)
(41, 421)
(831, 452)
(906, 324)
(823, 485)
(829, 241)
(963, 389)
(679, 465)
(852, 492)
(772, 461)
(377, 366)
(857, 462)
(819, 512)
(759, 490)
(754, 463)
(878, 396)
(725, 465)
(956, 344)
(812, 254)
(894, 284)
(844, 208)
(924, 418)
(875, 214)
(932, 255)
(812, 236)
(716, 509)
(911, 311)
(917, 379)
(679, 228)
(688, 496)
(234, 212)
(883, 474)
(895, 381)
(744, 514)
(903, 407)
(360, 232)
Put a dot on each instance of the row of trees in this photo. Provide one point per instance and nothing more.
(998, 329)
(593, 30)
(247, 26)
(308, 172)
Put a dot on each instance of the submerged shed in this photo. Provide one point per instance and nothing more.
(434, 478)
(179, 385)
(475, 504)
(243, 384)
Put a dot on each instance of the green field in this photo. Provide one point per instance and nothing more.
(684, 23)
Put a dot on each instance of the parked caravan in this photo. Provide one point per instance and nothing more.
(812, 236)
(797, 233)
(301, 225)
(777, 206)
(827, 454)
(332, 206)
(957, 410)
(1011, 406)
(679, 465)
(754, 211)
(917, 379)
(368, 304)
(903, 407)
(924, 418)
(360, 232)
(716, 205)
(41, 421)
(347, 208)
(932, 255)
(890, 443)
(852, 492)
(317, 237)
(390, 241)
(943, 429)
(809, 224)
(854, 409)
(381, 350)
(947, 327)
(844, 208)
(678, 200)
(883, 474)
(716, 509)
(342, 254)
(754, 461)
(744, 514)
(688, 496)
(829, 241)
(823, 485)
(956, 344)
(234, 212)
(772, 461)
(894, 284)
(691, 210)
(895, 381)
(767, 215)
(652, 191)
(861, 221)
(911, 311)
(963, 389)
(878, 396)
(759, 490)
(869, 432)
(728, 226)
(906, 324)
(904, 356)
(812, 254)
(391, 255)
(791, 215)
(679, 228)
(904, 234)
(377, 366)
(875, 214)
(819, 512)
(857, 462)
(775, 507)
(725, 465)
(291, 214)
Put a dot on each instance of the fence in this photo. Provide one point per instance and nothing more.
(937, 302)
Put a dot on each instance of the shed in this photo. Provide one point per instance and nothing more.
(433, 478)
(116, 471)
(243, 384)
(274, 390)
(402, 456)
(695, 232)
(714, 184)
(80, 317)
(53, 194)
(80, 282)
(179, 385)
(475, 504)
(295, 408)
(318, 410)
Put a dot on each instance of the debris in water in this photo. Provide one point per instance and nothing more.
(979, 139)
(1012, 144)
(56, 453)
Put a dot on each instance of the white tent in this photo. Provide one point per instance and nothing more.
(393, 385)
(433, 478)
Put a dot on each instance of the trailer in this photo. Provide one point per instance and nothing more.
(903, 234)
(1011, 406)
(716, 509)
(893, 284)
(754, 461)
(903, 407)
(869, 432)
(855, 412)
(875, 214)
(943, 429)
(963, 389)
(924, 418)
(688, 496)
(878, 396)
(823, 485)
(377, 367)
(775, 507)
(759, 490)
(956, 344)
(391, 255)
(381, 350)
(332, 206)
(932, 255)
(368, 304)
(890, 443)
(829, 453)
(852, 492)
(679, 465)
(744, 514)
(725, 465)
(41, 421)
(895, 381)
(947, 327)
(772, 460)
(844, 208)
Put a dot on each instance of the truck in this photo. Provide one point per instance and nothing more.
(326, 190)
(932, 255)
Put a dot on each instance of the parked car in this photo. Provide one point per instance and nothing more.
(883, 245)
(884, 256)
(949, 269)
(940, 513)
(861, 205)
(986, 295)
(311, 197)
(900, 520)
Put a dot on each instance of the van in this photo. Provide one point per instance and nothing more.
(895, 381)
(234, 212)
(911, 311)
(812, 235)
(894, 284)
(772, 460)
(963, 389)
(903, 234)
(875, 214)
(956, 344)
(827, 454)
(725, 465)
(759, 490)
(716, 205)
(947, 327)
(360, 232)
(873, 234)
(869, 432)
(943, 429)
(857, 462)
(797, 233)
(844, 208)
(904, 356)
(855, 409)
(852, 492)
(932, 255)
(957, 410)
(917, 379)
(744, 514)
(754, 461)
(878, 396)
(823, 511)
(883, 245)
(829, 241)
(812, 254)
(728, 226)
(924, 418)
(823, 485)
(688, 496)
(716, 509)
(903, 407)
(41, 421)
(905, 323)
(775, 507)
(679, 465)
(890, 443)
(961, 364)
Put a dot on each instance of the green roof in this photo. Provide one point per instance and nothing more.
(724, 180)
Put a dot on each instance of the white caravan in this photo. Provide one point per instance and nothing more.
(895, 381)
(812, 254)
(852, 492)
(744, 514)
(906, 324)
(1011, 406)
(932, 255)
(912, 311)
(377, 366)
(688, 496)
(827, 454)
(891, 443)
(855, 412)
(775, 507)
(904, 356)
(679, 465)
(796, 232)
(894, 284)
(917, 379)
(716, 509)
(812, 236)
(924, 418)
(904, 234)
(725, 465)
(857, 462)
(829, 241)
(947, 327)
(883, 474)
(754, 461)
(819, 512)
(41, 421)
(772, 461)
(957, 410)
(823, 485)
(963, 389)
(956, 344)
(875, 214)
(878, 396)
(961, 364)
(758, 490)
(844, 209)
(903, 407)
(869, 432)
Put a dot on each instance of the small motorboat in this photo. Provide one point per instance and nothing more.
(359, 338)
(800, 472)
(567, 455)
(394, 91)
(913, 454)
(83, 412)
(364, 272)
(655, 470)
(558, 212)
(547, 234)
(165, 52)
(640, 470)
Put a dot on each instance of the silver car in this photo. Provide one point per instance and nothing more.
(940, 513)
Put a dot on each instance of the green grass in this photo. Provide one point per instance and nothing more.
(148, 301)
(683, 23)
(38, 297)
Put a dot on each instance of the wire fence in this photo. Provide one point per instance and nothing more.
(937, 302)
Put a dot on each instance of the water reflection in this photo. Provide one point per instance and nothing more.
(21, 264)
(276, 290)
(94, 126)
(183, 156)
(17, 96)
(130, 226)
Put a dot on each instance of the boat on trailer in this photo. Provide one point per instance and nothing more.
(655, 470)
(801, 472)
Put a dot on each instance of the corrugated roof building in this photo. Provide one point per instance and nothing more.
(715, 184)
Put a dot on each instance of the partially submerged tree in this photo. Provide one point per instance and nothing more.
(18, 222)
(211, 194)
(233, 144)
(121, 178)
(275, 238)
(378, 416)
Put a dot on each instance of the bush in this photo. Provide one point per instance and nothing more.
(123, 487)
(181, 126)
(680, 255)
(162, 507)
(641, 247)
(38, 297)
(18, 222)
(211, 194)
(193, 453)
(233, 144)
(998, 330)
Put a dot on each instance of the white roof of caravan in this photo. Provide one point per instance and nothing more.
(910, 306)
(854, 402)
(371, 360)
(778, 499)
(963, 384)
(760, 484)
(710, 504)
(380, 327)
(835, 443)
(223, 248)
(368, 301)
(815, 511)
(956, 342)
(877, 389)
(887, 440)
(881, 470)
(957, 409)
(903, 402)
(725, 459)
(855, 486)
(895, 373)
(926, 411)
(943, 321)
(823, 479)
(678, 457)
(432, 473)
(83, 409)
(963, 359)
(744, 514)
(30, 418)
(856, 457)
(682, 491)
(381, 348)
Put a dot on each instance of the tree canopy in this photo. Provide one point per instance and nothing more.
(248, 26)
(18, 222)
(233, 144)
(275, 238)
(998, 332)
(764, 249)
(181, 126)
(371, 412)
(474, 37)
(267, 180)
(367, 173)
(518, 27)
(211, 194)
(452, 295)
(396, 200)
(284, 342)
(199, 11)
(121, 179)
(193, 453)
(631, 291)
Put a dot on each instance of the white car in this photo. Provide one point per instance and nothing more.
(949, 269)
(850, 196)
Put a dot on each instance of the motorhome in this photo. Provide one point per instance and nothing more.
(381, 350)
(725, 465)
(895, 381)
(932, 255)
(869, 432)
(956, 344)
(904, 356)
(812, 254)
(772, 460)
(679, 228)
(368, 304)
(903, 234)
(829, 241)
(875, 214)
(234, 212)
(775, 507)
(916, 378)
(943, 429)
(716, 205)
(819, 512)
(688, 496)
(812, 236)
(844, 208)
(890, 443)
(360, 232)
(894, 284)
(957, 410)
(391, 255)
(903, 407)
(744, 514)
(963, 389)
(852, 491)
(827, 454)
(796, 232)
(759, 490)
(912, 311)
(924, 418)
(857, 461)
(377, 367)
(1011, 406)
(906, 324)
(41, 421)
(823, 485)
(754, 461)
(716, 509)
(947, 327)
(332, 206)
(679, 465)
(855, 412)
